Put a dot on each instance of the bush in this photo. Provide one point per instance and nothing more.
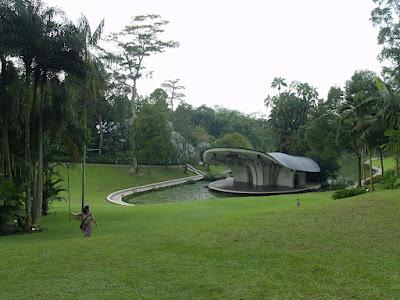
(52, 187)
(347, 193)
(397, 184)
(389, 180)
(377, 179)
(11, 206)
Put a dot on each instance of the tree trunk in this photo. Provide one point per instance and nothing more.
(27, 150)
(28, 174)
(381, 156)
(38, 199)
(359, 169)
(135, 167)
(101, 133)
(84, 177)
(83, 200)
(364, 176)
(371, 179)
(2, 162)
(2, 169)
(6, 151)
(34, 187)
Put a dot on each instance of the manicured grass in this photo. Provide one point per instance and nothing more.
(388, 163)
(230, 248)
(104, 179)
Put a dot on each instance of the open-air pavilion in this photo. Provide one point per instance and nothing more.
(261, 173)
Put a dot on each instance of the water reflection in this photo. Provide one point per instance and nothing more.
(187, 192)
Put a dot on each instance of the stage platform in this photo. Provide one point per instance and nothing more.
(228, 186)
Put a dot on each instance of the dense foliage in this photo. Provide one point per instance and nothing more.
(347, 193)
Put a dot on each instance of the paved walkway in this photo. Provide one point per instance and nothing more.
(117, 197)
(378, 171)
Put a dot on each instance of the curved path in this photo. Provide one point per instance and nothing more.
(117, 197)
(378, 171)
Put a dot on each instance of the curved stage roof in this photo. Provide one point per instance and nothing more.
(261, 173)
(299, 163)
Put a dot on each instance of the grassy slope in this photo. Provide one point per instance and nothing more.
(235, 248)
(104, 179)
(388, 163)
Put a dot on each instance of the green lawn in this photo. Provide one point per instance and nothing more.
(388, 163)
(104, 179)
(228, 248)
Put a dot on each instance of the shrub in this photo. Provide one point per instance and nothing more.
(52, 187)
(389, 179)
(397, 184)
(11, 205)
(377, 179)
(347, 193)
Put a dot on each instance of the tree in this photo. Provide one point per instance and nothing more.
(45, 48)
(233, 140)
(278, 83)
(320, 141)
(288, 114)
(94, 82)
(152, 130)
(135, 42)
(173, 89)
(393, 145)
(386, 16)
(10, 100)
(182, 119)
(360, 110)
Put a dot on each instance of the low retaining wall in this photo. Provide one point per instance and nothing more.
(116, 197)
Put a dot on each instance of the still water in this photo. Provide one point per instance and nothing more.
(186, 192)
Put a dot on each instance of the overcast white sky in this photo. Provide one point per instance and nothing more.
(231, 50)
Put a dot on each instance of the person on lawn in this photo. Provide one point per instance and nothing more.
(87, 220)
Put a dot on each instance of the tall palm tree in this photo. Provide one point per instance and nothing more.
(10, 95)
(393, 145)
(360, 107)
(278, 82)
(94, 79)
(47, 48)
(391, 114)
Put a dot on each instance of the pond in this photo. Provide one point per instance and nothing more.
(195, 191)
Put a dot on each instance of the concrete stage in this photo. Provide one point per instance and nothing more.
(228, 186)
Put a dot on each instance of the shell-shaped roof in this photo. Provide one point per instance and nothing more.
(298, 163)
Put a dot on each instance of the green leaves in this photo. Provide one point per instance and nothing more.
(393, 146)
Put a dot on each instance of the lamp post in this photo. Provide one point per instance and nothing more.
(69, 193)
(85, 150)
(84, 175)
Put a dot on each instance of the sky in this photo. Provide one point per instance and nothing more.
(231, 50)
